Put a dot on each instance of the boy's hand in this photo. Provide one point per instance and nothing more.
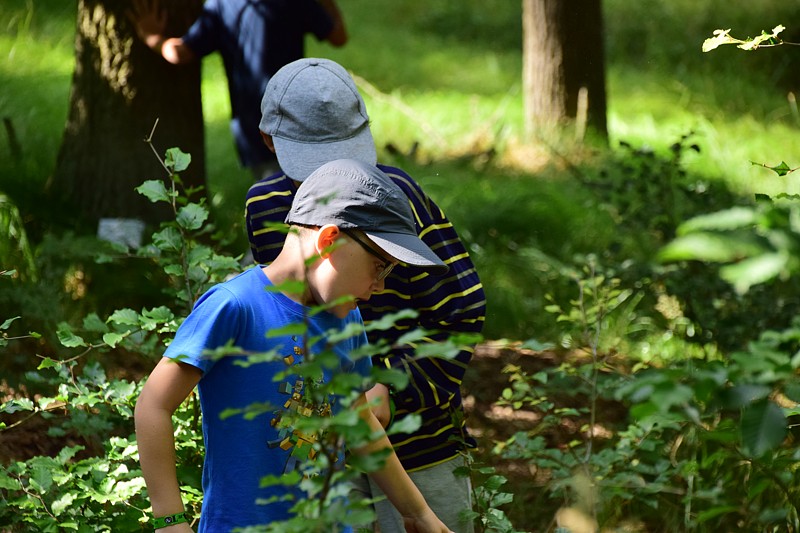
(427, 523)
(149, 20)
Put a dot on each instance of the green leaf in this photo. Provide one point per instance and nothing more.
(192, 216)
(494, 482)
(125, 317)
(781, 170)
(727, 219)
(792, 391)
(67, 338)
(17, 404)
(720, 37)
(714, 512)
(387, 321)
(67, 453)
(763, 428)
(289, 329)
(712, 247)
(93, 323)
(742, 395)
(176, 160)
(288, 286)
(535, 345)
(408, 424)
(63, 503)
(41, 479)
(8, 322)
(410, 338)
(159, 314)
(754, 270)
(9, 483)
(48, 363)
(391, 377)
(168, 239)
(112, 339)
(151, 319)
(154, 190)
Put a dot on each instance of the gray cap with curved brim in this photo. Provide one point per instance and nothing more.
(315, 114)
(354, 195)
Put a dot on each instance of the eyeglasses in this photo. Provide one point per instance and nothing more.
(386, 267)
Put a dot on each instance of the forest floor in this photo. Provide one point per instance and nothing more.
(487, 420)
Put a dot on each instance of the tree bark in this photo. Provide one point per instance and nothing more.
(119, 89)
(563, 65)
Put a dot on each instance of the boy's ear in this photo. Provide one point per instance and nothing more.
(326, 239)
(268, 141)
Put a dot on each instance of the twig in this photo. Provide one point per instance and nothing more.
(149, 141)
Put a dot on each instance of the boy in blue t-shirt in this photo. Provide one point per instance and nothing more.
(350, 226)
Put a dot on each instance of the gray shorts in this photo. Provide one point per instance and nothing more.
(447, 495)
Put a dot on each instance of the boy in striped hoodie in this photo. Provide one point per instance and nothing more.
(312, 113)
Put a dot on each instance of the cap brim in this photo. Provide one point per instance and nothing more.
(299, 160)
(410, 250)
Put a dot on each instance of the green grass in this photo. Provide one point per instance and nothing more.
(446, 76)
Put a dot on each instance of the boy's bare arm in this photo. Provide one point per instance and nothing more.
(395, 483)
(169, 384)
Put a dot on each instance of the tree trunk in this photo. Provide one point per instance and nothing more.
(563, 65)
(119, 89)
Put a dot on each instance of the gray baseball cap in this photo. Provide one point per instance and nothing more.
(355, 195)
(315, 114)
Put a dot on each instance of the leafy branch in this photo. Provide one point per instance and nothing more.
(765, 40)
(781, 169)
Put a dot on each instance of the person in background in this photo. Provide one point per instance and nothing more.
(350, 227)
(312, 113)
(255, 38)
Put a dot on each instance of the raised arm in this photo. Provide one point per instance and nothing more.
(150, 22)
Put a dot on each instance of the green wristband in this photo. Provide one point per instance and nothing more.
(171, 520)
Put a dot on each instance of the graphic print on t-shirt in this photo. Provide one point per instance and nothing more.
(299, 404)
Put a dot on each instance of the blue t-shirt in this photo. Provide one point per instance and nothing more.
(239, 452)
(255, 38)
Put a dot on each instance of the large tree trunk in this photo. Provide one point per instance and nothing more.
(119, 89)
(563, 65)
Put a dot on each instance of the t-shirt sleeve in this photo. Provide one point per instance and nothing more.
(204, 34)
(213, 323)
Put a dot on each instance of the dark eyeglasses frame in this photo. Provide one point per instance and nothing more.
(386, 265)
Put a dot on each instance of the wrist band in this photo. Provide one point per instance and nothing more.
(171, 520)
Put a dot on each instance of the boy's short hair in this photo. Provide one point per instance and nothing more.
(315, 114)
(354, 195)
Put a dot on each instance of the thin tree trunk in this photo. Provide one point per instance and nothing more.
(119, 89)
